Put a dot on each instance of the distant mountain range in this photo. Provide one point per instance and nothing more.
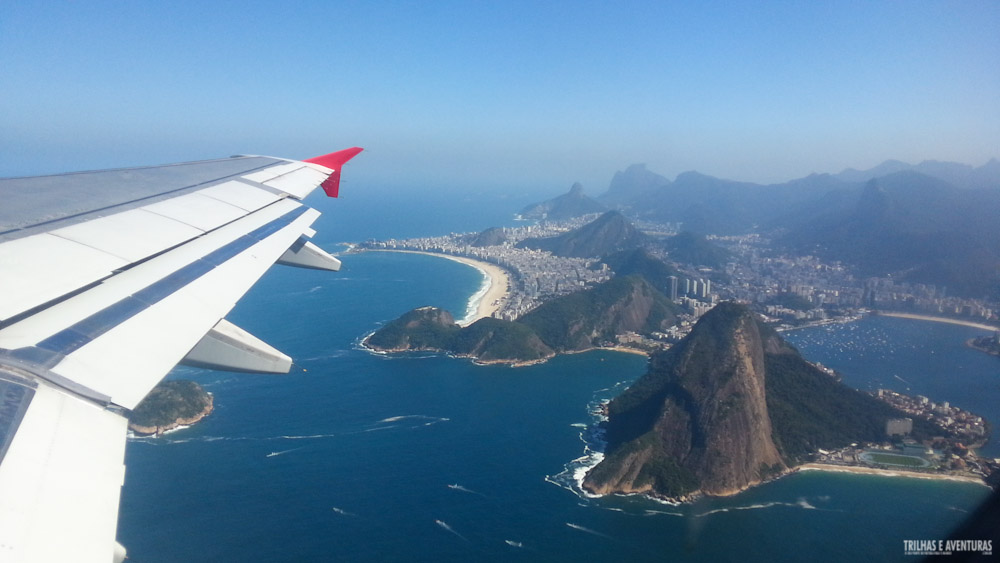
(566, 206)
(934, 222)
(915, 228)
(959, 175)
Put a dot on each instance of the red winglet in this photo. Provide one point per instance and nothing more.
(334, 161)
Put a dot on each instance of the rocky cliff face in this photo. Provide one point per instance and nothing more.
(698, 420)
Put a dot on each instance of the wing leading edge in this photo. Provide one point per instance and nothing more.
(107, 280)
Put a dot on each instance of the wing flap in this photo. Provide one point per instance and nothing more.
(145, 281)
(60, 481)
(107, 280)
(119, 338)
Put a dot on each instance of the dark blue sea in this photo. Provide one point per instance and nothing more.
(361, 457)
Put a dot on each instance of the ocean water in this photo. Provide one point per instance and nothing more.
(912, 357)
(420, 457)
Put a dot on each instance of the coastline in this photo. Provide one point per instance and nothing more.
(937, 320)
(178, 424)
(490, 297)
(885, 472)
(830, 468)
(971, 343)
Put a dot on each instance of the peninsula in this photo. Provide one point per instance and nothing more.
(170, 405)
(571, 323)
(733, 405)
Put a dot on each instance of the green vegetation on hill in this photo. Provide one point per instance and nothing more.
(572, 322)
(810, 410)
(169, 402)
(490, 237)
(640, 262)
(730, 405)
(586, 318)
(690, 248)
(791, 301)
(988, 344)
(608, 233)
(419, 329)
(490, 339)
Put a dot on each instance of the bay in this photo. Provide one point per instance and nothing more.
(914, 357)
(420, 457)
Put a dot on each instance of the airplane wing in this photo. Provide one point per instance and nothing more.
(107, 280)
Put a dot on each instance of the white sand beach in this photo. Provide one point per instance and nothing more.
(939, 320)
(886, 472)
(490, 301)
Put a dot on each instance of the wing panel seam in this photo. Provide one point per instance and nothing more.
(86, 330)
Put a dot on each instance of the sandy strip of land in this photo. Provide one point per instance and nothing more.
(886, 472)
(495, 295)
(938, 320)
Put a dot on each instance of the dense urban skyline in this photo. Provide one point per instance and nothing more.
(501, 95)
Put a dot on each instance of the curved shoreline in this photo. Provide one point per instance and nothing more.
(830, 468)
(885, 472)
(178, 424)
(489, 298)
(936, 320)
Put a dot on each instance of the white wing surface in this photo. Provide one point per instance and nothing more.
(107, 280)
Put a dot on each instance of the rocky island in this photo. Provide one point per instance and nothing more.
(169, 405)
(726, 408)
(988, 344)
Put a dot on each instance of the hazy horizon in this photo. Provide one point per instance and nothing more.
(493, 96)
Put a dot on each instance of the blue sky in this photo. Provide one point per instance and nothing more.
(501, 95)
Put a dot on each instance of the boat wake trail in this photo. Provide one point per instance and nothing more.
(444, 525)
(343, 512)
(457, 487)
(588, 530)
(282, 452)
(416, 420)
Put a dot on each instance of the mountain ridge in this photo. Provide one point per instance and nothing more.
(571, 323)
(608, 233)
(566, 206)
